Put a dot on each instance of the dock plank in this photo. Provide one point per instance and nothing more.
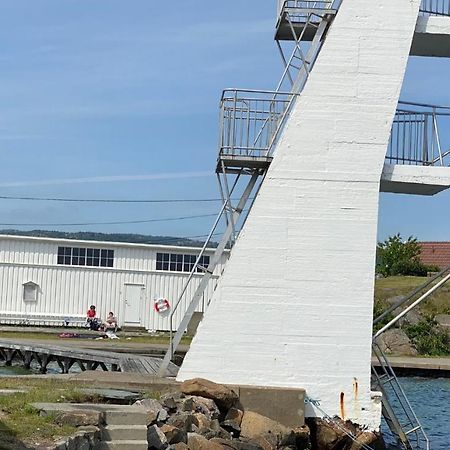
(127, 362)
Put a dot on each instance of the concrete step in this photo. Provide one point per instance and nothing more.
(125, 417)
(124, 432)
(123, 445)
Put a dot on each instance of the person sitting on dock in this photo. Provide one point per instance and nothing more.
(110, 323)
(110, 326)
(91, 320)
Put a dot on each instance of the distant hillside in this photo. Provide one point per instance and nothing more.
(110, 237)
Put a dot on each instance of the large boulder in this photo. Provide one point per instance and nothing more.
(240, 445)
(329, 435)
(198, 442)
(368, 439)
(202, 405)
(443, 320)
(233, 420)
(156, 438)
(154, 410)
(396, 342)
(254, 425)
(173, 434)
(224, 397)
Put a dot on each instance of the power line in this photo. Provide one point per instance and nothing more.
(167, 219)
(109, 200)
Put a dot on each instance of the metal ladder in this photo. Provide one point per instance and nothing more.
(232, 214)
(396, 408)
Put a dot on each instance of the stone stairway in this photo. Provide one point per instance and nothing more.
(124, 429)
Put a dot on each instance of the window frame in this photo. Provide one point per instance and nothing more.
(85, 257)
(180, 262)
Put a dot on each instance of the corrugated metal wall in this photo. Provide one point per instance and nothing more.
(71, 289)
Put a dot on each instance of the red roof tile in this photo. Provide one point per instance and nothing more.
(435, 253)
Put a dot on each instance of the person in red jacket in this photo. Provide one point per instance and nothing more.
(91, 319)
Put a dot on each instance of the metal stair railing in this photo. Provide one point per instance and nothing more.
(412, 305)
(435, 8)
(396, 408)
(250, 119)
(403, 301)
(415, 135)
(175, 339)
(301, 18)
(301, 5)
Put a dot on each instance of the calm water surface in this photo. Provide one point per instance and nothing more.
(430, 399)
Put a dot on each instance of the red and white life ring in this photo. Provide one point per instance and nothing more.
(161, 305)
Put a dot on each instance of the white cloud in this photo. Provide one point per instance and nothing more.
(106, 179)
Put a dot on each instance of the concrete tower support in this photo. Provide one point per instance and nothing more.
(294, 305)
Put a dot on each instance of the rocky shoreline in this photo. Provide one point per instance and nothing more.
(205, 415)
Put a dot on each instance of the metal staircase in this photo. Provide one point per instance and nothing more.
(250, 125)
(396, 408)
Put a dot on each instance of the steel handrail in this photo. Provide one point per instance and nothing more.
(194, 268)
(415, 135)
(410, 307)
(412, 294)
(424, 105)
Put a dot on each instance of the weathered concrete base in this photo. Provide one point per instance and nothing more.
(286, 406)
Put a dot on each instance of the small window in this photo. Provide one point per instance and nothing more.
(30, 291)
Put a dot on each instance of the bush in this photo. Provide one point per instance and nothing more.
(428, 338)
(398, 257)
(412, 268)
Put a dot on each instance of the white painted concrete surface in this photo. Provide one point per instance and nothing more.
(417, 180)
(294, 305)
(71, 289)
(432, 37)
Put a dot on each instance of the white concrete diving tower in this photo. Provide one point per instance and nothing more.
(294, 305)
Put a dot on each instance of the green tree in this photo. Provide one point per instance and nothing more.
(398, 257)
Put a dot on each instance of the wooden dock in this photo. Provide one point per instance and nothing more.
(419, 366)
(25, 352)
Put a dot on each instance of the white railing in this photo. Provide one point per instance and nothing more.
(435, 7)
(420, 135)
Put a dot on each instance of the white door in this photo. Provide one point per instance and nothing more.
(133, 298)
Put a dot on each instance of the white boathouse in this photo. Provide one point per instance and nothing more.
(46, 281)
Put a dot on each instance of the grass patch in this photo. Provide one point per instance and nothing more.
(438, 303)
(159, 339)
(21, 424)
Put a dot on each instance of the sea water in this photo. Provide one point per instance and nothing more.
(429, 397)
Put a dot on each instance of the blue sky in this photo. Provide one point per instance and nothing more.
(119, 99)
